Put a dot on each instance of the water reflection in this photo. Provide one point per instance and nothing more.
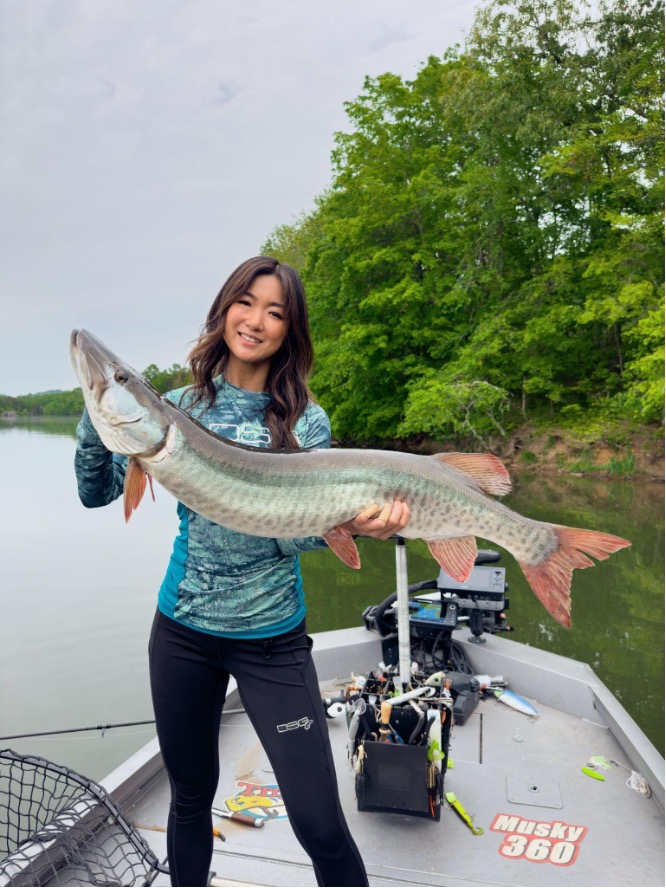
(41, 425)
(79, 590)
(77, 598)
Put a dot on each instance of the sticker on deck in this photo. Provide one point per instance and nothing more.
(540, 841)
(259, 800)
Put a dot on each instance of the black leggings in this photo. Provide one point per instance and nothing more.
(277, 682)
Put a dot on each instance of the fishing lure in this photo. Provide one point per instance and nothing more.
(515, 701)
(464, 816)
(634, 781)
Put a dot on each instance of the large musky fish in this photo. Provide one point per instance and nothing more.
(302, 493)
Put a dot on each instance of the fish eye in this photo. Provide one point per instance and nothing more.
(121, 376)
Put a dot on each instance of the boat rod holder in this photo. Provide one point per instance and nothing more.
(404, 642)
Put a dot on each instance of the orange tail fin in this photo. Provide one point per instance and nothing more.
(550, 579)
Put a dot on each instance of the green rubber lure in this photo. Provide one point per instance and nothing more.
(464, 816)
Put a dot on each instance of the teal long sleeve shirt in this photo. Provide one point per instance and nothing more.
(218, 580)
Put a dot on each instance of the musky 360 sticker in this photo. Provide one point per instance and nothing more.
(540, 841)
(258, 800)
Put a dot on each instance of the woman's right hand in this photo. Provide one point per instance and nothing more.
(379, 523)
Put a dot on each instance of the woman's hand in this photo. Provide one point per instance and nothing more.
(379, 523)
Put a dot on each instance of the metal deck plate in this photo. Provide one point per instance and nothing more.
(530, 789)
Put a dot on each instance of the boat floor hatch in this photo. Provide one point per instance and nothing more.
(544, 821)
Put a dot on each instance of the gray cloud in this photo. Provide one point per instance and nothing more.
(225, 93)
(110, 88)
(387, 38)
(150, 147)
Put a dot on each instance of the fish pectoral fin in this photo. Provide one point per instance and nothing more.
(342, 543)
(484, 469)
(456, 556)
(134, 487)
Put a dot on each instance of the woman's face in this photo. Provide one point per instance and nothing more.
(255, 326)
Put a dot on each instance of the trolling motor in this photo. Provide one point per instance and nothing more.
(480, 602)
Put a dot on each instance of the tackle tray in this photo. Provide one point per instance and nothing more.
(405, 777)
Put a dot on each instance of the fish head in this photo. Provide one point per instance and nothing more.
(131, 417)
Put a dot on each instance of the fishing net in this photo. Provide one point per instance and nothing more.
(59, 828)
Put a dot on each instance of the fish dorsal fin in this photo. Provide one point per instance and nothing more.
(135, 486)
(342, 543)
(456, 556)
(484, 469)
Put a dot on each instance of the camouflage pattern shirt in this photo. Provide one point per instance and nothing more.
(218, 580)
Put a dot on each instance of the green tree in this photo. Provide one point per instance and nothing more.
(491, 244)
(71, 403)
(173, 377)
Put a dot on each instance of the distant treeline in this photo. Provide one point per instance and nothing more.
(490, 250)
(71, 403)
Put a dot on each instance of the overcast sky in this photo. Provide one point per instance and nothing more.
(149, 147)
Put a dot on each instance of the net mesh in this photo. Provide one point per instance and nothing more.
(59, 828)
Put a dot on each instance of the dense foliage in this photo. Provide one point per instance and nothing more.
(71, 403)
(491, 246)
(44, 404)
(174, 377)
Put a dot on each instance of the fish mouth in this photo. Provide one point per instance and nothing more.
(124, 422)
(91, 359)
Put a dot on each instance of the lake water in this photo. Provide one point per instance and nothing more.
(78, 591)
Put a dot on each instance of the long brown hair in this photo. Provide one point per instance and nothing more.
(290, 366)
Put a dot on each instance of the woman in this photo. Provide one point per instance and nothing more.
(233, 604)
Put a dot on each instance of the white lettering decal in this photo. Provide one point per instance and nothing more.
(514, 846)
(563, 853)
(245, 433)
(505, 823)
(541, 848)
(538, 850)
(304, 722)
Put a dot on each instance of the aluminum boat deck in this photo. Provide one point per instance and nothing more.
(545, 822)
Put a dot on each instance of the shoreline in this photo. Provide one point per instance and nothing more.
(611, 453)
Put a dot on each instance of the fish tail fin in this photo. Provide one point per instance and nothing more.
(550, 578)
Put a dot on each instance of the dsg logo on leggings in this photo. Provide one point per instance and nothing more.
(295, 725)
